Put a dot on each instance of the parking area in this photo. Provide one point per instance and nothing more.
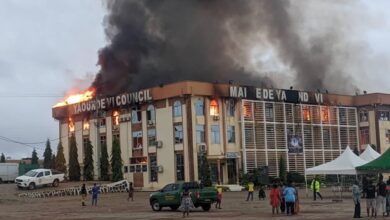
(116, 206)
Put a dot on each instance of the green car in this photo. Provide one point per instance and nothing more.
(170, 196)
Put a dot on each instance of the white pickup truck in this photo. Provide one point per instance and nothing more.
(39, 177)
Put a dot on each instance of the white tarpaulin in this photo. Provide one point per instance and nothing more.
(369, 154)
(343, 165)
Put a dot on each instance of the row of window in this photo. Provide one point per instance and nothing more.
(215, 134)
(383, 115)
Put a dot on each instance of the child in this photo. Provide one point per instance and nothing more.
(275, 198)
(261, 193)
(131, 192)
(83, 193)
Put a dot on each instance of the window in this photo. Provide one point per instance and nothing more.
(384, 116)
(151, 137)
(231, 134)
(136, 116)
(179, 167)
(132, 169)
(86, 124)
(71, 125)
(215, 135)
(47, 173)
(364, 135)
(306, 114)
(116, 136)
(269, 111)
(199, 107)
(387, 136)
(170, 187)
(214, 109)
(230, 107)
(40, 174)
(363, 115)
(178, 134)
(103, 139)
(126, 170)
(177, 110)
(151, 113)
(137, 140)
(115, 118)
(153, 171)
(200, 134)
(102, 122)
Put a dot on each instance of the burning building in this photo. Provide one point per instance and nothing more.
(163, 130)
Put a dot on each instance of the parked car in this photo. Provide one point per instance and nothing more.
(8, 172)
(170, 196)
(39, 177)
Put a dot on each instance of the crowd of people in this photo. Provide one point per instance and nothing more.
(377, 197)
(284, 198)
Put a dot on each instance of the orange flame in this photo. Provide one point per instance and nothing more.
(76, 98)
(115, 117)
(71, 125)
(214, 111)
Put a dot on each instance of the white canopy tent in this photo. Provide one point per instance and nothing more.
(343, 165)
(369, 154)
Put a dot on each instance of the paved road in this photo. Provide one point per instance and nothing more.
(115, 206)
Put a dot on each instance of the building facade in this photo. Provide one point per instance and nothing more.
(163, 131)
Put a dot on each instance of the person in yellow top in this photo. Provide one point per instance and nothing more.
(219, 196)
(315, 187)
(251, 188)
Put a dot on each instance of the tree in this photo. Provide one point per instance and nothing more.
(2, 158)
(116, 161)
(60, 163)
(74, 166)
(282, 169)
(53, 162)
(47, 156)
(88, 161)
(204, 170)
(104, 165)
(34, 157)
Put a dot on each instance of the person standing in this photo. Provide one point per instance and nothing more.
(131, 192)
(315, 187)
(219, 197)
(290, 196)
(282, 201)
(356, 199)
(186, 202)
(95, 192)
(251, 188)
(381, 196)
(83, 193)
(275, 198)
(370, 198)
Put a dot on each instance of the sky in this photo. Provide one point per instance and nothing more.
(49, 47)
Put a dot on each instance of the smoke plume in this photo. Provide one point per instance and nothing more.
(157, 42)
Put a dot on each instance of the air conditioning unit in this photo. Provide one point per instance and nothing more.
(202, 148)
(159, 144)
(150, 122)
(160, 169)
(216, 118)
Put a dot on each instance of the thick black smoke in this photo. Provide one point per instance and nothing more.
(154, 42)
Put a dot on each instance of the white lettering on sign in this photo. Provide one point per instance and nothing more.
(113, 102)
(303, 97)
(238, 92)
(319, 98)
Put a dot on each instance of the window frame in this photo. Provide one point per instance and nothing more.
(215, 131)
(231, 134)
(177, 109)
